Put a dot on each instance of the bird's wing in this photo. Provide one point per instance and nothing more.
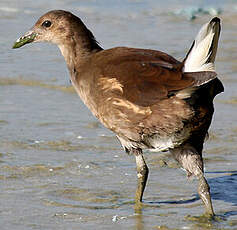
(134, 92)
(147, 76)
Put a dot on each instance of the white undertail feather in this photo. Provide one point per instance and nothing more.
(202, 54)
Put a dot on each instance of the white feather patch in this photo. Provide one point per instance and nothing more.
(197, 58)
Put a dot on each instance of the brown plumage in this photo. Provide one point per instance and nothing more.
(148, 98)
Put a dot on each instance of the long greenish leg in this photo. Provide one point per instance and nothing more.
(204, 193)
(142, 174)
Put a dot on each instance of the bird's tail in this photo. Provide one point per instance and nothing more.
(201, 55)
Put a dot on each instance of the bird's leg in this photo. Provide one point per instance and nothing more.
(142, 174)
(191, 161)
(204, 193)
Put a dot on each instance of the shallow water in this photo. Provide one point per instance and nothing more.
(60, 169)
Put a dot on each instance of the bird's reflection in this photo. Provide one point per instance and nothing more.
(139, 223)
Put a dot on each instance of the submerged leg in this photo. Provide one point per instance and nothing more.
(192, 162)
(142, 174)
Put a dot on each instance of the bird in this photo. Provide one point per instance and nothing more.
(146, 97)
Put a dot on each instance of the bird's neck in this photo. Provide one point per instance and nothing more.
(76, 50)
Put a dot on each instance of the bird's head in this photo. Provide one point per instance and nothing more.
(51, 27)
(59, 27)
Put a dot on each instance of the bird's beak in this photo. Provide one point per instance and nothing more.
(27, 38)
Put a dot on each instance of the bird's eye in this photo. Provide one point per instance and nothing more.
(46, 23)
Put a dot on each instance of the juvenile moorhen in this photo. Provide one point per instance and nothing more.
(146, 97)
